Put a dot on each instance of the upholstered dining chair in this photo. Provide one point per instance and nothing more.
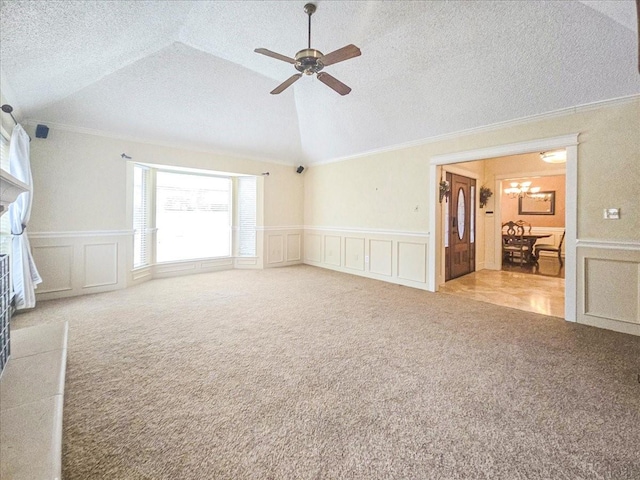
(550, 248)
(513, 242)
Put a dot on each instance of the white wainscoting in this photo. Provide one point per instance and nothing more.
(283, 246)
(189, 267)
(391, 256)
(78, 263)
(609, 285)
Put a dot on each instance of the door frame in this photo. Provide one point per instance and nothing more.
(435, 263)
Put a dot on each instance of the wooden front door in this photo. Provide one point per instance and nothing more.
(460, 244)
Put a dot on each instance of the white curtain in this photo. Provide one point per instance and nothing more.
(23, 269)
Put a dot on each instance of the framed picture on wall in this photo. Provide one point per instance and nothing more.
(541, 203)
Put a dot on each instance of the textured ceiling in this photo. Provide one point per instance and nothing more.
(185, 72)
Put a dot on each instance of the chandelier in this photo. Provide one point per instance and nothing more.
(519, 190)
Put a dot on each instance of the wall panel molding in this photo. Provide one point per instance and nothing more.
(79, 263)
(609, 285)
(100, 264)
(190, 267)
(294, 247)
(381, 257)
(412, 261)
(283, 246)
(275, 249)
(333, 250)
(313, 247)
(354, 253)
(373, 254)
(55, 265)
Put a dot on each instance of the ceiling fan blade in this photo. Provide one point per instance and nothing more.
(344, 53)
(287, 83)
(277, 56)
(334, 83)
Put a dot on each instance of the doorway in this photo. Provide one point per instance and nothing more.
(570, 143)
(460, 241)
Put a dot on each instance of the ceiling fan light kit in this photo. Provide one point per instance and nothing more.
(310, 61)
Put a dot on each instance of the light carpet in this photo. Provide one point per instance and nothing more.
(307, 373)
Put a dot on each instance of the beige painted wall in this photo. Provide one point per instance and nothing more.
(80, 181)
(380, 191)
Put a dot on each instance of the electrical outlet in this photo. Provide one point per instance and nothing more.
(366, 259)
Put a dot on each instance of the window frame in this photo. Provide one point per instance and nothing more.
(234, 211)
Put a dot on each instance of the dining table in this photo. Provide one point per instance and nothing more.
(530, 239)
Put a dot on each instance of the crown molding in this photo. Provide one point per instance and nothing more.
(146, 141)
(488, 128)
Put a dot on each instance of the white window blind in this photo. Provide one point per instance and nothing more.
(5, 225)
(140, 216)
(193, 216)
(247, 216)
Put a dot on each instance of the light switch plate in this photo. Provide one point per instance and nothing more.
(611, 213)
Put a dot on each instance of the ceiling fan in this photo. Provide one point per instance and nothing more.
(310, 61)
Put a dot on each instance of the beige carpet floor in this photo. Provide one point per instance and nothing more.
(304, 373)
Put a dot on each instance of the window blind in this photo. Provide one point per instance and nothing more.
(140, 216)
(247, 216)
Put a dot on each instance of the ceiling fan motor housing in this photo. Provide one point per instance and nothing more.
(308, 61)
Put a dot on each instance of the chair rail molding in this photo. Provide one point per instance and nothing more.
(368, 231)
(610, 244)
(87, 233)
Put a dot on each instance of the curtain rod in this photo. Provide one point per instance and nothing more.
(6, 108)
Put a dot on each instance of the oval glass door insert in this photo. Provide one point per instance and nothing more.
(461, 214)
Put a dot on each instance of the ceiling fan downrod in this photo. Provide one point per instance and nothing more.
(309, 9)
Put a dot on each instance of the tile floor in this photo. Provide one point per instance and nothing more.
(521, 290)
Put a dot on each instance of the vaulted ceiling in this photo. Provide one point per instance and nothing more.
(184, 72)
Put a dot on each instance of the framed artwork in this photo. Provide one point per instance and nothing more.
(540, 203)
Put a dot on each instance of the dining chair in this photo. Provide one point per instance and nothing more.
(550, 248)
(513, 242)
(525, 225)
